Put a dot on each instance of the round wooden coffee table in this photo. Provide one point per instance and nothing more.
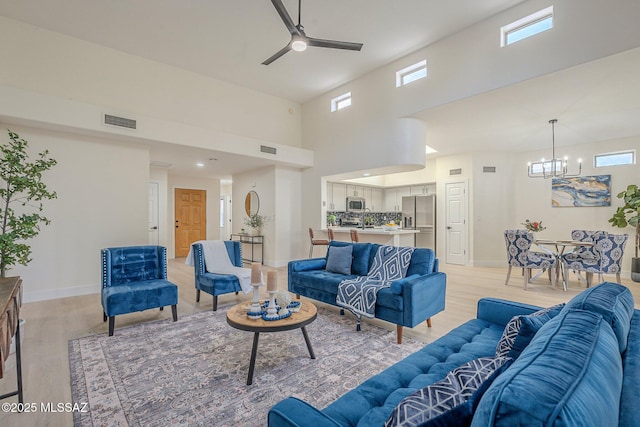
(237, 318)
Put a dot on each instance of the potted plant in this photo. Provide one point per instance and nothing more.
(629, 215)
(332, 219)
(256, 222)
(21, 194)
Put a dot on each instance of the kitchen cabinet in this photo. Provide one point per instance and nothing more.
(423, 189)
(374, 197)
(355, 190)
(336, 197)
(393, 198)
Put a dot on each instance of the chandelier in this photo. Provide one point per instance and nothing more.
(554, 168)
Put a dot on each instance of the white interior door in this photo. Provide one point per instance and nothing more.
(456, 223)
(154, 209)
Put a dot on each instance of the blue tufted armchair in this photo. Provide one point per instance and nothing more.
(134, 278)
(212, 283)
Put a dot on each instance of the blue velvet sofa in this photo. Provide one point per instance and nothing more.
(213, 283)
(409, 301)
(581, 368)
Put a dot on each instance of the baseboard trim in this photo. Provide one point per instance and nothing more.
(50, 294)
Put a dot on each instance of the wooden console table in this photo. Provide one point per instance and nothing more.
(252, 240)
(10, 302)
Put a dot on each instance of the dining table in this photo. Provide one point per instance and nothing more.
(557, 248)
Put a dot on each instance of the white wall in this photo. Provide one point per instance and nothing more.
(160, 176)
(64, 67)
(465, 64)
(102, 201)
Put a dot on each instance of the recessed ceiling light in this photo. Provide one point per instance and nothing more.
(200, 164)
(366, 174)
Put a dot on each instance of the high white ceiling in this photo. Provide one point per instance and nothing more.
(228, 40)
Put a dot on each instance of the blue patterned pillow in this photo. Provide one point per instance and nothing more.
(451, 401)
(339, 259)
(521, 329)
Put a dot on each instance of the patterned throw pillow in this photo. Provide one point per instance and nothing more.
(521, 329)
(451, 401)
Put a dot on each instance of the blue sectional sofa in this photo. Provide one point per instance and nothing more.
(408, 302)
(581, 368)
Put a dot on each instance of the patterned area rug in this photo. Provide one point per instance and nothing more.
(193, 372)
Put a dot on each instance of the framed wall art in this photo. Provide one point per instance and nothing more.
(581, 191)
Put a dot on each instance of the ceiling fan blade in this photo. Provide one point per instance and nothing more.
(277, 55)
(334, 44)
(288, 22)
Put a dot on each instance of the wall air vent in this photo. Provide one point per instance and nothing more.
(489, 169)
(267, 149)
(119, 121)
(455, 171)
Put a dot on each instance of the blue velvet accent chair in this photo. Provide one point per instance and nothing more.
(212, 283)
(134, 278)
(519, 254)
(605, 257)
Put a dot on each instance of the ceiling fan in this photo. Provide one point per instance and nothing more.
(299, 40)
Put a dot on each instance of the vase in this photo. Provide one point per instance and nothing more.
(257, 231)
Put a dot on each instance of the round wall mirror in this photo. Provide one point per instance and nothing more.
(252, 203)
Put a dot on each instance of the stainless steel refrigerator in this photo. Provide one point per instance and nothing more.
(419, 213)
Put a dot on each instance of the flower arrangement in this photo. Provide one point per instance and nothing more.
(255, 221)
(533, 225)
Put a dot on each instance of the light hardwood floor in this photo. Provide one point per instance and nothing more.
(51, 324)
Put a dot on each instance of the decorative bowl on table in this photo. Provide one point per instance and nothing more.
(390, 226)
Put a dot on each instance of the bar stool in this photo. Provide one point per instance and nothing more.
(317, 242)
(355, 237)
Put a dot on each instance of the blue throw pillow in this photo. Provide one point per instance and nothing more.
(339, 259)
(521, 329)
(451, 401)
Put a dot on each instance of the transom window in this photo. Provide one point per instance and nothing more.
(411, 73)
(526, 27)
(340, 102)
(615, 159)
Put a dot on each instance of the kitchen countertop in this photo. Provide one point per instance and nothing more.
(375, 230)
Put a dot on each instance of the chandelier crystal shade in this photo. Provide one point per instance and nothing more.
(554, 168)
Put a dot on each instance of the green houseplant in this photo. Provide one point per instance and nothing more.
(629, 215)
(256, 222)
(21, 194)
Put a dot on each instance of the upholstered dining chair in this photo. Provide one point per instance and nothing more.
(355, 237)
(316, 242)
(134, 278)
(605, 258)
(519, 254)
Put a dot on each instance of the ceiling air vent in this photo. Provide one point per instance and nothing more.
(489, 169)
(455, 171)
(119, 121)
(267, 149)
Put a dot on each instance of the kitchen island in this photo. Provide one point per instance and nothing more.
(399, 237)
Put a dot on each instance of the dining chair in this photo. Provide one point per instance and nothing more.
(606, 258)
(316, 242)
(355, 237)
(519, 254)
(585, 236)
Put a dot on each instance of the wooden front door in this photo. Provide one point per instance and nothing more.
(191, 219)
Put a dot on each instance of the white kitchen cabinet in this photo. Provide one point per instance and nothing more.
(355, 190)
(339, 197)
(393, 198)
(374, 198)
(423, 189)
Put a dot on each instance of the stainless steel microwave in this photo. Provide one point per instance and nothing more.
(355, 204)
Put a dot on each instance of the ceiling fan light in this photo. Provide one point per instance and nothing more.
(299, 45)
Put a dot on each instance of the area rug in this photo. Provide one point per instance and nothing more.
(193, 372)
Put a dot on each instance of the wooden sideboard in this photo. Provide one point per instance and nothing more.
(10, 302)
